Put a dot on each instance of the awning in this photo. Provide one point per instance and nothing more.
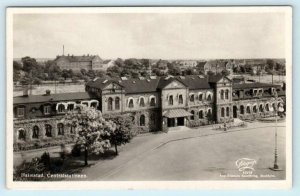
(176, 113)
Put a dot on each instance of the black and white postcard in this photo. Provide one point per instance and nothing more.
(149, 97)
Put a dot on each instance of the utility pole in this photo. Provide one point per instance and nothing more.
(275, 166)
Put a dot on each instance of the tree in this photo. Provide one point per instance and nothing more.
(29, 63)
(225, 72)
(173, 70)
(92, 130)
(123, 133)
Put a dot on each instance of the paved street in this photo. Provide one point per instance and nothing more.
(195, 154)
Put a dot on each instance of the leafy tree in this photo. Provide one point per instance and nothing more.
(92, 129)
(173, 70)
(29, 63)
(17, 66)
(225, 72)
(83, 72)
(123, 133)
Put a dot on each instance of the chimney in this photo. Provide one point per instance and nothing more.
(48, 92)
(25, 91)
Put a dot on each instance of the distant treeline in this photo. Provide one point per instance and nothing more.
(30, 71)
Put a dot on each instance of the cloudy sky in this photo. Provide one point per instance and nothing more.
(151, 35)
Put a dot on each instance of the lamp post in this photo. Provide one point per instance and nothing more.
(275, 166)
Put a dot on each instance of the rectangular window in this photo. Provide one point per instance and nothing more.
(46, 109)
(21, 112)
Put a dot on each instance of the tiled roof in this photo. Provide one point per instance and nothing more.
(195, 82)
(145, 85)
(140, 86)
(53, 97)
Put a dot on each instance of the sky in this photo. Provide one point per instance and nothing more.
(150, 35)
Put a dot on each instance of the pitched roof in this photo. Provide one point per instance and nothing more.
(145, 85)
(73, 58)
(165, 81)
(53, 97)
(215, 78)
(195, 82)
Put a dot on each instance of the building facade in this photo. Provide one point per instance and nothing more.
(154, 103)
(76, 63)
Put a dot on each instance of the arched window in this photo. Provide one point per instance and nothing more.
(267, 107)
(60, 128)
(200, 97)
(193, 115)
(21, 134)
(255, 109)
(227, 111)
(171, 100)
(61, 108)
(48, 129)
(142, 102)
(94, 104)
(152, 101)
(117, 103)
(35, 132)
(222, 112)
(261, 108)
(180, 99)
(248, 110)
(201, 114)
(142, 120)
(130, 104)
(209, 97)
(110, 104)
(227, 94)
(242, 109)
(192, 98)
(222, 94)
